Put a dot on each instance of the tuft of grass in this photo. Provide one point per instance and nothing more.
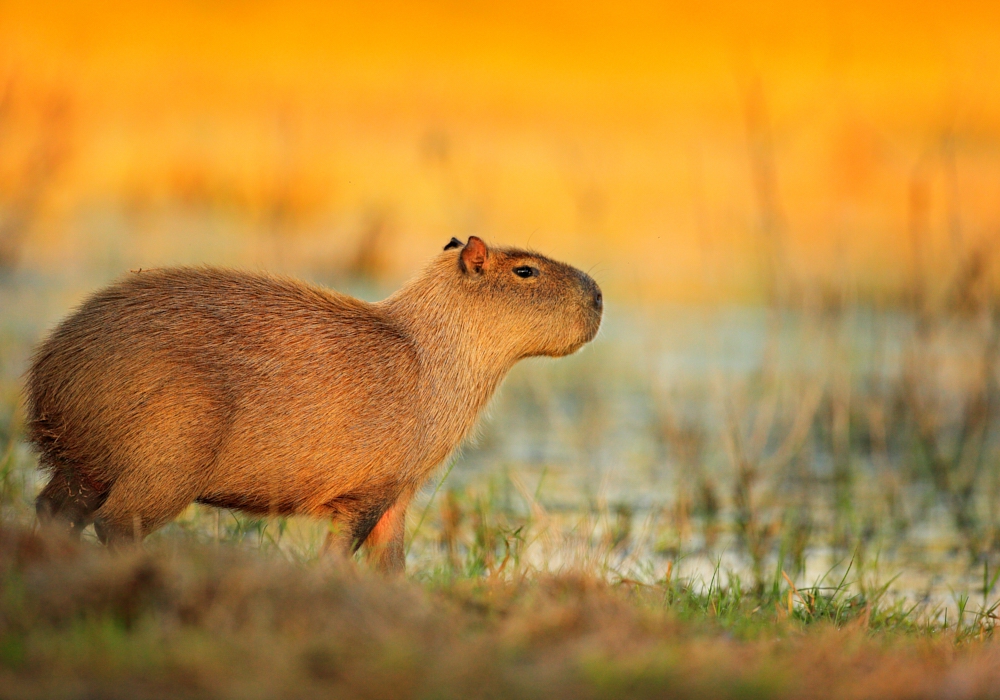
(202, 620)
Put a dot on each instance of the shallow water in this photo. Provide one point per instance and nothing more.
(671, 403)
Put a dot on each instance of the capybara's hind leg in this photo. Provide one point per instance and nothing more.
(137, 505)
(68, 502)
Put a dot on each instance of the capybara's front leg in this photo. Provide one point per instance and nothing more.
(384, 545)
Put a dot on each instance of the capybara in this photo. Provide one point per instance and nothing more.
(267, 395)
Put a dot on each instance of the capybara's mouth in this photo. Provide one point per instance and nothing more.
(593, 325)
(595, 309)
(592, 316)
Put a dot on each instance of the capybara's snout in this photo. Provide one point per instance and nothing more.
(593, 292)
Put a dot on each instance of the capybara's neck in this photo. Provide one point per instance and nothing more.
(462, 363)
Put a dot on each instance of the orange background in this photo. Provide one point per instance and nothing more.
(683, 150)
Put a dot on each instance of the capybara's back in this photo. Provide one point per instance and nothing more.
(271, 396)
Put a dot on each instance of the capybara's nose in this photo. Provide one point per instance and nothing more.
(598, 299)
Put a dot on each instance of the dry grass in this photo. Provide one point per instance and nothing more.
(190, 621)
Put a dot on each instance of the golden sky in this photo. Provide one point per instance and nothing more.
(676, 146)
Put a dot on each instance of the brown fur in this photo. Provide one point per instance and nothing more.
(267, 395)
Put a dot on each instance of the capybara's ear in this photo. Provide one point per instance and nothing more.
(453, 243)
(475, 256)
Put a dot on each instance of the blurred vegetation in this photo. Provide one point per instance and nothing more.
(197, 620)
(707, 152)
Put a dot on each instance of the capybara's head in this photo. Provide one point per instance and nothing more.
(533, 305)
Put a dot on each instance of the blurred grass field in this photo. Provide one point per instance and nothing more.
(776, 472)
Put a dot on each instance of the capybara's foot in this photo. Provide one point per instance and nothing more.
(67, 504)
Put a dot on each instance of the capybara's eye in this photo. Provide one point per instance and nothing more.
(525, 271)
